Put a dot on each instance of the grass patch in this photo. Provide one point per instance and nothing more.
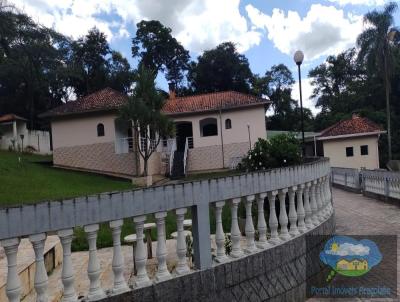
(28, 178)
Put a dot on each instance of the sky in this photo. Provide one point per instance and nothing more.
(268, 32)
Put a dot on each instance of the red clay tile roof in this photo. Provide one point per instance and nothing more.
(11, 117)
(355, 125)
(210, 102)
(105, 99)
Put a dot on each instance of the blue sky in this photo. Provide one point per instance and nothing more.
(268, 32)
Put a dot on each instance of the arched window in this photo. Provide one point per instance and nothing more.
(228, 123)
(100, 129)
(208, 127)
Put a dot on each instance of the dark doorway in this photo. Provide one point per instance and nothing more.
(183, 130)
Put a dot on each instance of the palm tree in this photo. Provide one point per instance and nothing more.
(376, 43)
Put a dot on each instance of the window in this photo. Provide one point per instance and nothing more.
(228, 123)
(364, 150)
(349, 151)
(100, 129)
(208, 127)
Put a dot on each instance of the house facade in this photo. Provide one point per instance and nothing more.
(352, 143)
(213, 131)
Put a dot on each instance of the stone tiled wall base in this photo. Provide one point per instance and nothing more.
(210, 158)
(96, 157)
(277, 274)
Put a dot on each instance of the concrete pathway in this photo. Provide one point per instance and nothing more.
(360, 215)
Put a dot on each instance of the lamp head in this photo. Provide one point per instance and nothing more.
(298, 57)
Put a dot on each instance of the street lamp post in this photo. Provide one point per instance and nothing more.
(298, 59)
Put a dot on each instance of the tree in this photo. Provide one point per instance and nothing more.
(143, 110)
(159, 51)
(376, 50)
(219, 69)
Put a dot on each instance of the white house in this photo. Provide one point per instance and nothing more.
(214, 131)
(14, 135)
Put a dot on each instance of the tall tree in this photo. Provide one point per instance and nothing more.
(219, 69)
(143, 110)
(158, 50)
(376, 44)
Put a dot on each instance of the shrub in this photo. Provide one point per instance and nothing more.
(280, 151)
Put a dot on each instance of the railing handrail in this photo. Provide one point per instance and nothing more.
(57, 215)
(171, 157)
(185, 155)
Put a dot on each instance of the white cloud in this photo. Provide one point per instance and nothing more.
(306, 94)
(349, 249)
(197, 24)
(324, 30)
(359, 2)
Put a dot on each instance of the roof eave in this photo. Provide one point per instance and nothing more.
(322, 138)
(62, 114)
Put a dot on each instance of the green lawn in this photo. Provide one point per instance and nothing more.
(26, 178)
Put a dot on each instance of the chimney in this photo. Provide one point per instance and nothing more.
(171, 87)
(354, 115)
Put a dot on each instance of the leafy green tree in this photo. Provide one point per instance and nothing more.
(143, 110)
(220, 69)
(376, 44)
(158, 50)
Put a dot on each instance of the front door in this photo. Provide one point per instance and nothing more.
(183, 130)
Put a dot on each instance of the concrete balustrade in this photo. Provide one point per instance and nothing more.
(302, 192)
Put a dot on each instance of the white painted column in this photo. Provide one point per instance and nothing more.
(235, 232)
(249, 228)
(300, 209)
(182, 266)
(13, 287)
(307, 207)
(261, 224)
(41, 279)
(273, 220)
(328, 194)
(324, 197)
(120, 285)
(67, 273)
(162, 269)
(292, 212)
(15, 134)
(142, 279)
(283, 218)
(94, 269)
(219, 233)
(314, 207)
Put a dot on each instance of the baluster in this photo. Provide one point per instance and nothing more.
(307, 207)
(314, 207)
(142, 279)
(67, 273)
(219, 233)
(320, 201)
(182, 266)
(326, 197)
(249, 229)
(300, 210)
(162, 270)
(235, 232)
(41, 279)
(292, 212)
(13, 287)
(120, 285)
(261, 224)
(94, 270)
(329, 195)
(283, 218)
(273, 220)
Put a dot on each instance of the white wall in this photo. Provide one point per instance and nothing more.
(336, 151)
(254, 116)
(82, 130)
